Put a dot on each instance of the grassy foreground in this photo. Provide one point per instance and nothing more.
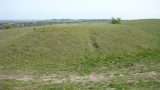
(83, 56)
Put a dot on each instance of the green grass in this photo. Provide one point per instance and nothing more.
(82, 49)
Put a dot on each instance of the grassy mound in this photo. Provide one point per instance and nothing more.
(81, 49)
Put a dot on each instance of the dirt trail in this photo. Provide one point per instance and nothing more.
(77, 79)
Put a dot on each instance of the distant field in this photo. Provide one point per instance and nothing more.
(81, 56)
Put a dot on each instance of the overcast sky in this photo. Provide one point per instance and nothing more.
(79, 9)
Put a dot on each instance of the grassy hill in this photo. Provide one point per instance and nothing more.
(93, 55)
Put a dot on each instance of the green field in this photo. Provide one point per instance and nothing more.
(81, 56)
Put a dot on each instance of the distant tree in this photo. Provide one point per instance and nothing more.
(116, 20)
(8, 26)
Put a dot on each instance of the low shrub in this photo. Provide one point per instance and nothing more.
(116, 20)
(8, 26)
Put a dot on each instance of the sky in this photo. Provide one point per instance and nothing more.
(79, 9)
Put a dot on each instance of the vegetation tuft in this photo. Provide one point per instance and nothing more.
(116, 20)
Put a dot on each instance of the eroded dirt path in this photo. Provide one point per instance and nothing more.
(93, 77)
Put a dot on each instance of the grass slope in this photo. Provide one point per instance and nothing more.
(116, 51)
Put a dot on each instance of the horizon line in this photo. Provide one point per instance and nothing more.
(75, 19)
